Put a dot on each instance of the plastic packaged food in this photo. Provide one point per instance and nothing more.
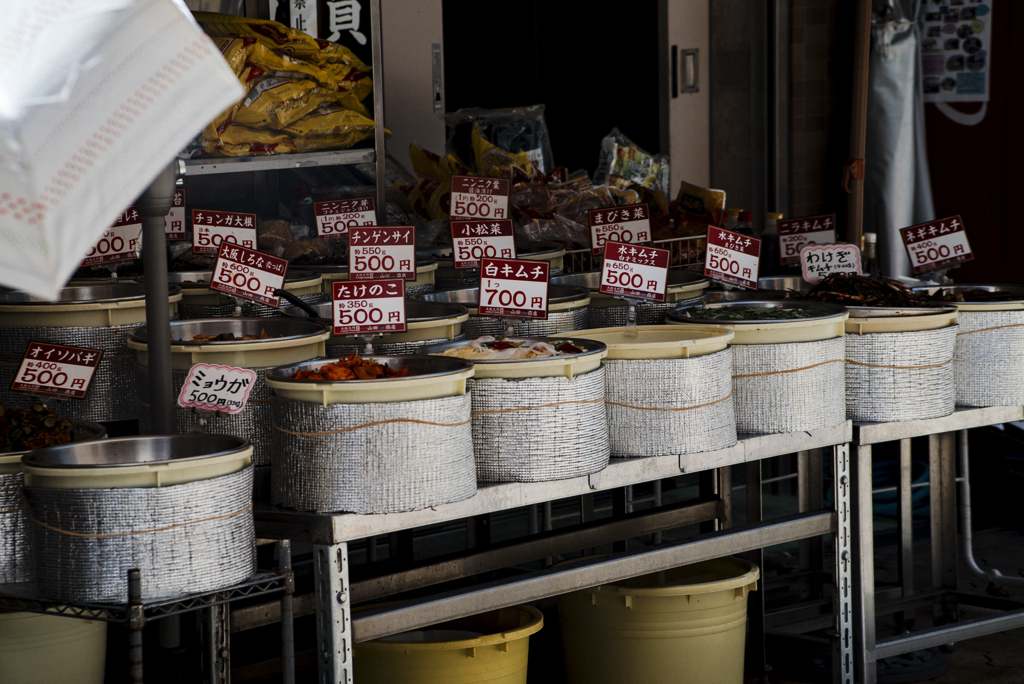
(622, 162)
(517, 130)
(703, 205)
(235, 51)
(328, 127)
(281, 38)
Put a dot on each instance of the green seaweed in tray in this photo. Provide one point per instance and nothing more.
(748, 313)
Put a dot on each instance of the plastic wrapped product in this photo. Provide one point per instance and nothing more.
(514, 129)
(329, 127)
(280, 38)
(699, 204)
(622, 162)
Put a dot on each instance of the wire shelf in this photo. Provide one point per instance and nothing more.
(19, 597)
(683, 252)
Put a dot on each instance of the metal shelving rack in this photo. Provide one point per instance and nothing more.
(338, 629)
(942, 592)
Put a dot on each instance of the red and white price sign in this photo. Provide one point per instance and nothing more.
(57, 369)
(634, 272)
(820, 261)
(210, 387)
(936, 244)
(120, 242)
(479, 198)
(368, 306)
(797, 233)
(631, 224)
(249, 274)
(732, 258)
(474, 240)
(513, 288)
(210, 228)
(174, 222)
(334, 218)
(382, 252)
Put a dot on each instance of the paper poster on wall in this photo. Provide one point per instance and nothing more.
(956, 45)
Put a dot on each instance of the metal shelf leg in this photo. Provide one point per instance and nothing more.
(284, 550)
(842, 539)
(333, 615)
(864, 568)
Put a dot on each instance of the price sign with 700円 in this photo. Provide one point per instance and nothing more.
(514, 288)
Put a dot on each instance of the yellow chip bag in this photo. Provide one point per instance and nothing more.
(237, 134)
(352, 79)
(493, 161)
(235, 51)
(277, 36)
(332, 53)
(284, 66)
(329, 127)
(271, 102)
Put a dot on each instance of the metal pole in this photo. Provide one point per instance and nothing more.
(377, 72)
(284, 561)
(859, 120)
(136, 619)
(153, 205)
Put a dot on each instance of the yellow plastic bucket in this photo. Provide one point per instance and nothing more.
(490, 648)
(47, 649)
(683, 626)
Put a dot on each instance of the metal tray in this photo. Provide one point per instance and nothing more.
(995, 289)
(79, 294)
(535, 249)
(415, 311)
(419, 367)
(896, 312)
(592, 279)
(130, 451)
(821, 310)
(279, 329)
(470, 296)
(785, 283)
(343, 268)
(589, 347)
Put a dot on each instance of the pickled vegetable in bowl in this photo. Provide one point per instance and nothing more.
(747, 313)
(489, 348)
(352, 368)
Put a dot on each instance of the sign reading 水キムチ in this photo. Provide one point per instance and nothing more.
(797, 233)
(56, 369)
(335, 217)
(634, 271)
(732, 257)
(513, 288)
(630, 224)
(479, 198)
(474, 240)
(210, 228)
(936, 244)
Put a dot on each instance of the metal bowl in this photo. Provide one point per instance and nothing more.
(78, 294)
(470, 296)
(896, 311)
(743, 295)
(202, 278)
(343, 268)
(415, 311)
(419, 367)
(963, 289)
(279, 328)
(821, 310)
(790, 283)
(589, 347)
(533, 250)
(592, 279)
(129, 451)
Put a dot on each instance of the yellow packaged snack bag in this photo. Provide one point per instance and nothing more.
(284, 66)
(280, 38)
(493, 161)
(235, 51)
(235, 140)
(237, 134)
(271, 102)
(329, 127)
(352, 79)
(434, 167)
(332, 53)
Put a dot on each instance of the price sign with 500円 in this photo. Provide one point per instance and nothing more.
(368, 306)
